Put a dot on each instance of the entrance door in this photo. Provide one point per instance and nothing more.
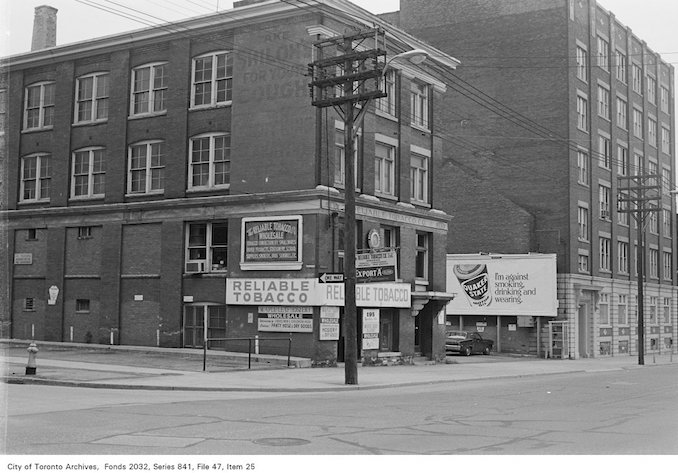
(194, 326)
(583, 323)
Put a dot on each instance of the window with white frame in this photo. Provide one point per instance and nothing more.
(666, 180)
(605, 151)
(583, 263)
(652, 132)
(88, 173)
(146, 168)
(603, 53)
(651, 89)
(419, 175)
(583, 223)
(39, 106)
(36, 177)
(582, 168)
(209, 164)
(149, 89)
(653, 223)
(91, 92)
(422, 258)
(622, 160)
(604, 102)
(622, 310)
(604, 200)
(387, 104)
(666, 222)
(623, 257)
(340, 155)
(653, 256)
(638, 123)
(667, 265)
(581, 58)
(384, 168)
(666, 140)
(637, 167)
(212, 83)
(419, 103)
(582, 113)
(3, 110)
(622, 113)
(206, 247)
(621, 66)
(604, 254)
(667, 310)
(622, 206)
(652, 305)
(637, 78)
(604, 309)
(664, 99)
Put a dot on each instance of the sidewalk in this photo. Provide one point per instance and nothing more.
(101, 366)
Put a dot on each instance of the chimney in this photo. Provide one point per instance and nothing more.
(44, 28)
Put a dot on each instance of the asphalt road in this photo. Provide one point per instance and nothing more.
(611, 412)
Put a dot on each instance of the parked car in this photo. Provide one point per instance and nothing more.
(467, 343)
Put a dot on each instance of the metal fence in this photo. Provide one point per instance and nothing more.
(252, 342)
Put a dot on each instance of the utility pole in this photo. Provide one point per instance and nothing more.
(635, 191)
(346, 75)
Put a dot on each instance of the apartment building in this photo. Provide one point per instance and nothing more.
(555, 101)
(175, 183)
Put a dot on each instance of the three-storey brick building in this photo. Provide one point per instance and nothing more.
(554, 102)
(175, 182)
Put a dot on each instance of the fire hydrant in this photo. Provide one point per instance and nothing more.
(32, 355)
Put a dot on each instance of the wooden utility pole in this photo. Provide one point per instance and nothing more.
(346, 75)
(635, 192)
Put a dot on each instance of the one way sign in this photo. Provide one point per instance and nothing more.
(331, 277)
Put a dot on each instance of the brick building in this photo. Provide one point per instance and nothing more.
(554, 101)
(175, 176)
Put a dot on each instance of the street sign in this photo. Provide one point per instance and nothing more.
(331, 277)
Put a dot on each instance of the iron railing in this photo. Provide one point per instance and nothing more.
(249, 347)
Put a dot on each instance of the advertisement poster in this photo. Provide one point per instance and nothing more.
(370, 329)
(502, 284)
(271, 241)
(376, 266)
(285, 319)
(329, 323)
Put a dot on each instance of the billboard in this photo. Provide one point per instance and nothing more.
(496, 284)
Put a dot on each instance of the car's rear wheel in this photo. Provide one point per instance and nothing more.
(487, 351)
(466, 351)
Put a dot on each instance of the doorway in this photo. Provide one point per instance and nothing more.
(583, 328)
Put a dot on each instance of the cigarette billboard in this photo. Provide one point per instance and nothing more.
(497, 284)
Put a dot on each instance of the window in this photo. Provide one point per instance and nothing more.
(664, 99)
(36, 177)
(212, 79)
(666, 222)
(654, 263)
(622, 160)
(146, 173)
(194, 325)
(82, 305)
(340, 157)
(419, 188)
(604, 309)
(621, 66)
(582, 113)
(388, 104)
(421, 263)
(604, 247)
(29, 304)
(419, 102)
(604, 200)
(666, 140)
(653, 222)
(653, 309)
(39, 106)
(605, 150)
(622, 113)
(622, 310)
(89, 173)
(206, 247)
(384, 169)
(210, 161)
(638, 166)
(638, 123)
(149, 89)
(666, 181)
(583, 223)
(603, 54)
(3, 110)
(651, 90)
(583, 263)
(652, 132)
(622, 207)
(637, 78)
(604, 102)
(31, 234)
(581, 57)
(582, 168)
(667, 265)
(84, 233)
(667, 310)
(623, 257)
(92, 98)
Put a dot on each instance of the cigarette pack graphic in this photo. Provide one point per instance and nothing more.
(474, 280)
